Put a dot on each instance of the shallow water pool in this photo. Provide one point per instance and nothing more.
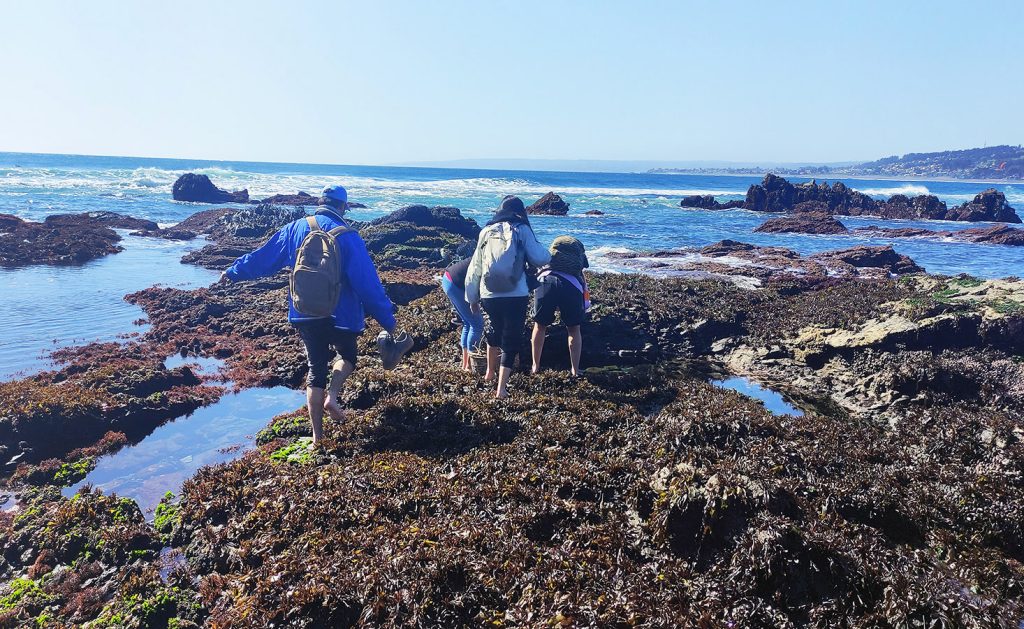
(48, 307)
(174, 452)
(773, 401)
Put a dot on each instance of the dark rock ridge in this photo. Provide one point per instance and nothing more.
(550, 204)
(593, 213)
(868, 257)
(199, 189)
(446, 218)
(708, 202)
(803, 223)
(70, 239)
(255, 221)
(106, 219)
(300, 199)
(775, 194)
(994, 235)
(733, 259)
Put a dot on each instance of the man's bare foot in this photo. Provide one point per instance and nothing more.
(334, 410)
(535, 370)
(489, 377)
(501, 395)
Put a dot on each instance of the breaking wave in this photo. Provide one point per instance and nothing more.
(910, 190)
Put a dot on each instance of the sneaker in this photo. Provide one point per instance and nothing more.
(392, 349)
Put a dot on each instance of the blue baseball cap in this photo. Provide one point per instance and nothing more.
(337, 193)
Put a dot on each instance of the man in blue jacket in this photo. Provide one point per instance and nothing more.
(360, 289)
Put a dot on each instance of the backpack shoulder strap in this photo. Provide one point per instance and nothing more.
(337, 231)
(313, 225)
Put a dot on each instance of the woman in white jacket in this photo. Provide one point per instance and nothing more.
(505, 298)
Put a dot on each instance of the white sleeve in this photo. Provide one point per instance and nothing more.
(474, 274)
(536, 253)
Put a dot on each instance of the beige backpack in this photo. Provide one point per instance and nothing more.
(316, 275)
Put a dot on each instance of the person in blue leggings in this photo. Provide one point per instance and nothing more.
(454, 284)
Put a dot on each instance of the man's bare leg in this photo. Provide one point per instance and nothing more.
(503, 376)
(342, 370)
(575, 347)
(315, 406)
(493, 357)
(537, 342)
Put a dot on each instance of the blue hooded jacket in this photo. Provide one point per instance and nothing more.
(360, 286)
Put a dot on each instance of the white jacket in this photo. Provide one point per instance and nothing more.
(535, 253)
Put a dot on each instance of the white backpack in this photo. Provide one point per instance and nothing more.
(503, 257)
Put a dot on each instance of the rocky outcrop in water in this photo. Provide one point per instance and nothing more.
(803, 223)
(775, 194)
(298, 199)
(199, 189)
(708, 202)
(447, 218)
(550, 204)
(990, 205)
(106, 219)
(66, 240)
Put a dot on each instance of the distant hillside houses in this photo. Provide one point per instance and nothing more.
(1002, 162)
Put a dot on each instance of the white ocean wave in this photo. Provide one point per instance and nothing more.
(910, 190)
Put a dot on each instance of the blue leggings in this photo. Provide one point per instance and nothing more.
(472, 324)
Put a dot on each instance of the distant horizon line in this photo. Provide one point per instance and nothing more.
(483, 163)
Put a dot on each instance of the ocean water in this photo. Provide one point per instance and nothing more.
(46, 307)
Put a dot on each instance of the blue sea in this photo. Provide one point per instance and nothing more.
(49, 307)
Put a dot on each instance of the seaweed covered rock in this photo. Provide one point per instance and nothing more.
(255, 222)
(803, 223)
(66, 241)
(550, 204)
(106, 219)
(199, 189)
(102, 387)
(871, 257)
(299, 199)
(418, 236)
(448, 219)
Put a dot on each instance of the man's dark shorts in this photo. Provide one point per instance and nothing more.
(555, 293)
(322, 341)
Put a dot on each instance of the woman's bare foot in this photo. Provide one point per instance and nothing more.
(489, 377)
(535, 370)
(334, 410)
(501, 395)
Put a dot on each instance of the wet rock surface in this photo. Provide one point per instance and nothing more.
(300, 199)
(199, 189)
(750, 265)
(803, 223)
(550, 204)
(637, 495)
(995, 235)
(68, 240)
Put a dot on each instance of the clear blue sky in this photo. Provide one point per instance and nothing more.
(392, 82)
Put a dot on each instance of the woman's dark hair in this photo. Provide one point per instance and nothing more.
(511, 210)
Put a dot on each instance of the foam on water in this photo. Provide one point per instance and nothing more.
(909, 190)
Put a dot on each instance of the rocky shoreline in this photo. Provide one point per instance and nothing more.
(640, 494)
(775, 194)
